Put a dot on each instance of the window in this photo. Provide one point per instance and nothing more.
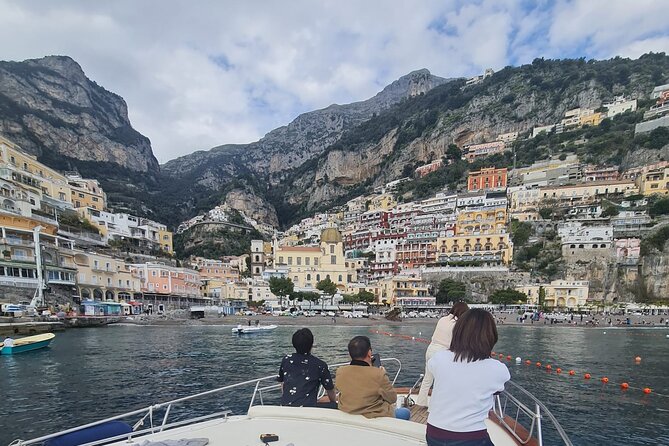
(81, 195)
(290, 260)
(308, 276)
(280, 259)
(333, 260)
(95, 199)
(153, 273)
(299, 260)
(307, 260)
(318, 277)
(315, 261)
(340, 278)
(332, 249)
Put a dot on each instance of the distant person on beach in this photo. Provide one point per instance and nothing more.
(364, 389)
(465, 381)
(301, 374)
(441, 340)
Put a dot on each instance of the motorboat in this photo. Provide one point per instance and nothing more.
(26, 344)
(247, 329)
(517, 418)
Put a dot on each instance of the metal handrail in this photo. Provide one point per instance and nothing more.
(536, 415)
(150, 410)
(499, 410)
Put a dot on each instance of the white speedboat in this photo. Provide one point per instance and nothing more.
(263, 423)
(242, 329)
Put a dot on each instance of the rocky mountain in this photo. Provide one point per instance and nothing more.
(423, 128)
(324, 157)
(51, 109)
(191, 180)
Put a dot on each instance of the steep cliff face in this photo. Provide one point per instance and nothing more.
(51, 109)
(655, 275)
(253, 206)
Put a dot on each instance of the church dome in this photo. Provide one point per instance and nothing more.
(331, 235)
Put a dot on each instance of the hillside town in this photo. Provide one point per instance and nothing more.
(378, 249)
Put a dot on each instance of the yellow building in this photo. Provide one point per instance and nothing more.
(487, 249)
(404, 290)
(26, 171)
(307, 265)
(166, 244)
(593, 119)
(481, 221)
(382, 202)
(102, 277)
(654, 181)
(559, 293)
(87, 193)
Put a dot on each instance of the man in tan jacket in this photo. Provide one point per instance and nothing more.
(366, 390)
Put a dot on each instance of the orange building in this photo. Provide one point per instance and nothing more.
(488, 178)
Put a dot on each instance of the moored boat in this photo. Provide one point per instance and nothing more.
(26, 344)
(511, 422)
(241, 329)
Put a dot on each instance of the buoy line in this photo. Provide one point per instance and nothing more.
(624, 386)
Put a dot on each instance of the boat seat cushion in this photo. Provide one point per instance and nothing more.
(90, 434)
(387, 424)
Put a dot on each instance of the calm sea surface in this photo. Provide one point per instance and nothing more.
(90, 374)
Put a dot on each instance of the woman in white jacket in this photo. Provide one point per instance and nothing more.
(441, 340)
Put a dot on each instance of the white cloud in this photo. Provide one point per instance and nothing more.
(201, 74)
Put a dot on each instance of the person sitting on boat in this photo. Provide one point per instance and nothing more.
(363, 389)
(301, 373)
(8, 342)
(465, 380)
(441, 340)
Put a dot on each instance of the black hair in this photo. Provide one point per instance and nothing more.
(358, 347)
(303, 340)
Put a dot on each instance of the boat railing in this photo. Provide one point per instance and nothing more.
(156, 416)
(516, 403)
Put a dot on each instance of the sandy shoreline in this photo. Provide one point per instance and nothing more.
(602, 321)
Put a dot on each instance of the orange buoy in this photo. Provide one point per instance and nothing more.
(647, 390)
(605, 380)
(558, 370)
(528, 362)
(572, 373)
(586, 376)
(549, 367)
(538, 364)
(624, 386)
(508, 357)
(637, 359)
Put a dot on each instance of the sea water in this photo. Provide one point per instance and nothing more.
(89, 374)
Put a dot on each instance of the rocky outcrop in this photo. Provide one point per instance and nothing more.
(51, 109)
(252, 206)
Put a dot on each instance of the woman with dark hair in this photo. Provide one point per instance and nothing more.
(441, 340)
(465, 380)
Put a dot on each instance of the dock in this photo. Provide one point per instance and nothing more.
(29, 328)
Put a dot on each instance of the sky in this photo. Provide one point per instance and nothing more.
(197, 74)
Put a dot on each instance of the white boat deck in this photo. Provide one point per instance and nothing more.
(306, 426)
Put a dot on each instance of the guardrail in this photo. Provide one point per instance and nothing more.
(150, 414)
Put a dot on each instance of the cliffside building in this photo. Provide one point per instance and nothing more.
(487, 179)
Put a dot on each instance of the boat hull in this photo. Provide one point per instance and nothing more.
(27, 344)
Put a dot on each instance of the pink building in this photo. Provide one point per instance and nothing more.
(475, 151)
(167, 280)
(424, 170)
(628, 249)
(600, 173)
